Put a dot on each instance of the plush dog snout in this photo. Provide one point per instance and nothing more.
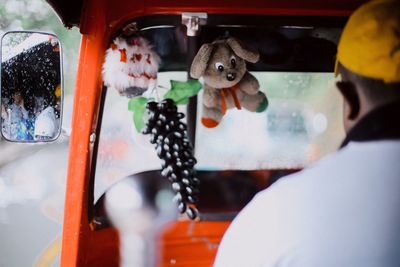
(231, 76)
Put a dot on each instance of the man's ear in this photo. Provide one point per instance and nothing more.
(351, 96)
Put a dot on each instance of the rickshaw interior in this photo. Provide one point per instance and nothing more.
(247, 152)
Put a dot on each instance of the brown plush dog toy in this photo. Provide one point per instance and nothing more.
(227, 83)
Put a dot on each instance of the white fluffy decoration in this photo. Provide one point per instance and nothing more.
(130, 66)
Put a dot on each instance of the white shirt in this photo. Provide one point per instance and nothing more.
(45, 123)
(343, 211)
(17, 115)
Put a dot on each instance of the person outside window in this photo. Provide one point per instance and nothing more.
(17, 124)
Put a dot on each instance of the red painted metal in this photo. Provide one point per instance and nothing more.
(188, 243)
(76, 247)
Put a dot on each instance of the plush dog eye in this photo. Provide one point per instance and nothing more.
(219, 66)
(233, 62)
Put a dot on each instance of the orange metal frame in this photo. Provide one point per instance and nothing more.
(100, 19)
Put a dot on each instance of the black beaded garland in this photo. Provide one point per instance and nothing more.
(169, 135)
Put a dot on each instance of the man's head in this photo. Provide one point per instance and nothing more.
(17, 96)
(362, 95)
(368, 59)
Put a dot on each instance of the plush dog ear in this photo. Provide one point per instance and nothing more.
(200, 61)
(238, 48)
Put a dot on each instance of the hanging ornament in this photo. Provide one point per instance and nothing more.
(168, 134)
(131, 66)
(227, 83)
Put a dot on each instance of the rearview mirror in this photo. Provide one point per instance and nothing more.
(31, 87)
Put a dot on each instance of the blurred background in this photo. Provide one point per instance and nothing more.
(32, 177)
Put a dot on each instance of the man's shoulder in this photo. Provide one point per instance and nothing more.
(268, 222)
(296, 207)
(306, 178)
(331, 171)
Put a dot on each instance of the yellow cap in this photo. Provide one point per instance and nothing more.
(370, 42)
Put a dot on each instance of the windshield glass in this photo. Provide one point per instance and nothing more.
(122, 149)
(301, 124)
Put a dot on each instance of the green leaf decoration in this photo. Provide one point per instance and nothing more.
(138, 107)
(181, 91)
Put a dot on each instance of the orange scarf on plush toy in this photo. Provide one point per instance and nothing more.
(232, 91)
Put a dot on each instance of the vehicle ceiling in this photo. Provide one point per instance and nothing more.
(70, 11)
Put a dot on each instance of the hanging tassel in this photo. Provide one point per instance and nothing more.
(130, 67)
